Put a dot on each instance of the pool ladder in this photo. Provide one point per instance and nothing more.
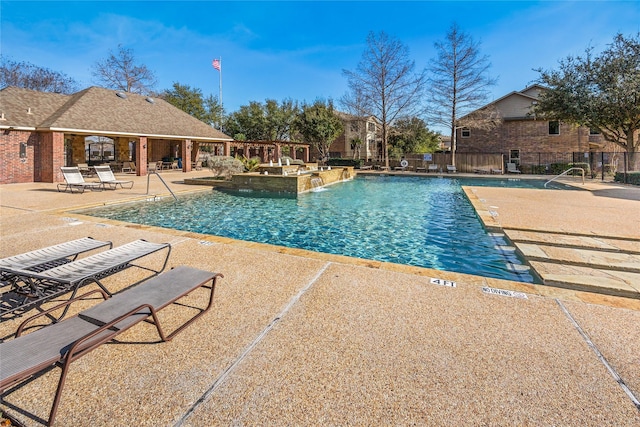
(154, 172)
(564, 173)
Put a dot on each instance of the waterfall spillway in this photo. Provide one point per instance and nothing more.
(316, 183)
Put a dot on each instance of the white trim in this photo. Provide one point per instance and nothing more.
(137, 135)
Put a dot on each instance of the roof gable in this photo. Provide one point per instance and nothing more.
(105, 111)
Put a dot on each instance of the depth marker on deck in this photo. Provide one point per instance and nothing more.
(442, 282)
(503, 292)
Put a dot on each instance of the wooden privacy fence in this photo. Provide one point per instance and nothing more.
(465, 162)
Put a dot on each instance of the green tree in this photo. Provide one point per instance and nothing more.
(29, 76)
(459, 84)
(119, 71)
(264, 122)
(600, 91)
(191, 101)
(319, 126)
(250, 121)
(384, 84)
(411, 135)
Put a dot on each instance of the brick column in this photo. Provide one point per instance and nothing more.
(186, 147)
(141, 160)
(78, 151)
(52, 157)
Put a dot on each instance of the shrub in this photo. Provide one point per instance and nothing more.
(224, 166)
(585, 166)
(632, 177)
(292, 161)
(251, 164)
(558, 168)
(356, 163)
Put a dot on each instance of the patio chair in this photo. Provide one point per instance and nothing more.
(128, 167)
(512, 168)
(63, 343)
(451, 169)
(432, 168)
(74, 180)
(105, 174)
(85, 169)
(42, 286)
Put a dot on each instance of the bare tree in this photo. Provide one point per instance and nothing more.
(119, 71)
(459, 84)
(384, 84)
(30, 76)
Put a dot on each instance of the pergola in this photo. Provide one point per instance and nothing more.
(270, 150)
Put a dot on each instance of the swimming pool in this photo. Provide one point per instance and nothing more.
(406, 220)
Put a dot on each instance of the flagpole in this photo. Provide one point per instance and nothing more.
(220, 70)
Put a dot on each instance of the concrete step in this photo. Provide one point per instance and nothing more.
(602, 264)
(588, 279)
(598, 259)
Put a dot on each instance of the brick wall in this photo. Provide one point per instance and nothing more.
(13, 168)
(530, 136)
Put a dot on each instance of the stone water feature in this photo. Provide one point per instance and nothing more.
(290, 179)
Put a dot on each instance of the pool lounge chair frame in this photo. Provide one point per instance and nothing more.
(65, 342)
(75, 181)
(40, 287)
(52, 256)
(105, 174)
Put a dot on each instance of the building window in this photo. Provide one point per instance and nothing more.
(554, 127)
(466, 132)
(514, 156)
(594, 131)
(371, 127)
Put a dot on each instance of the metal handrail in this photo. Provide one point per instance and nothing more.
(564, 173)
(153, 172)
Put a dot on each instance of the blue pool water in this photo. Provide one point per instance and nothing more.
(406, 220)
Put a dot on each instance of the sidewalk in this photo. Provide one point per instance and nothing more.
(301, 338)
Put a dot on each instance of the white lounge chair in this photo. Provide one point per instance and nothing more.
(105, 174)
(433, 168)
(74, 180)
(451, 168)
(52, 256)
(512, 168)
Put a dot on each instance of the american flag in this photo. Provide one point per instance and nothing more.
(216, 64)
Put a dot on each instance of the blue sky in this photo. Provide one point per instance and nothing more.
(289, 49)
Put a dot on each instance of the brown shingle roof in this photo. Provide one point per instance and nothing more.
(101, 111)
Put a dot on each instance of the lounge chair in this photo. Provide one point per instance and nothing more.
(75, 181)
(62, 343)
(52, 256)
(105, 174)
(432, 168)
(196, 165)
(496, 171)
(451, 169)
(512, 168)
(40, 287)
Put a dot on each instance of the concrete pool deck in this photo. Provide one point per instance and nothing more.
(301, 338)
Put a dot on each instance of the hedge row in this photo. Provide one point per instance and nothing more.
(632, 177)
(356, 163)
